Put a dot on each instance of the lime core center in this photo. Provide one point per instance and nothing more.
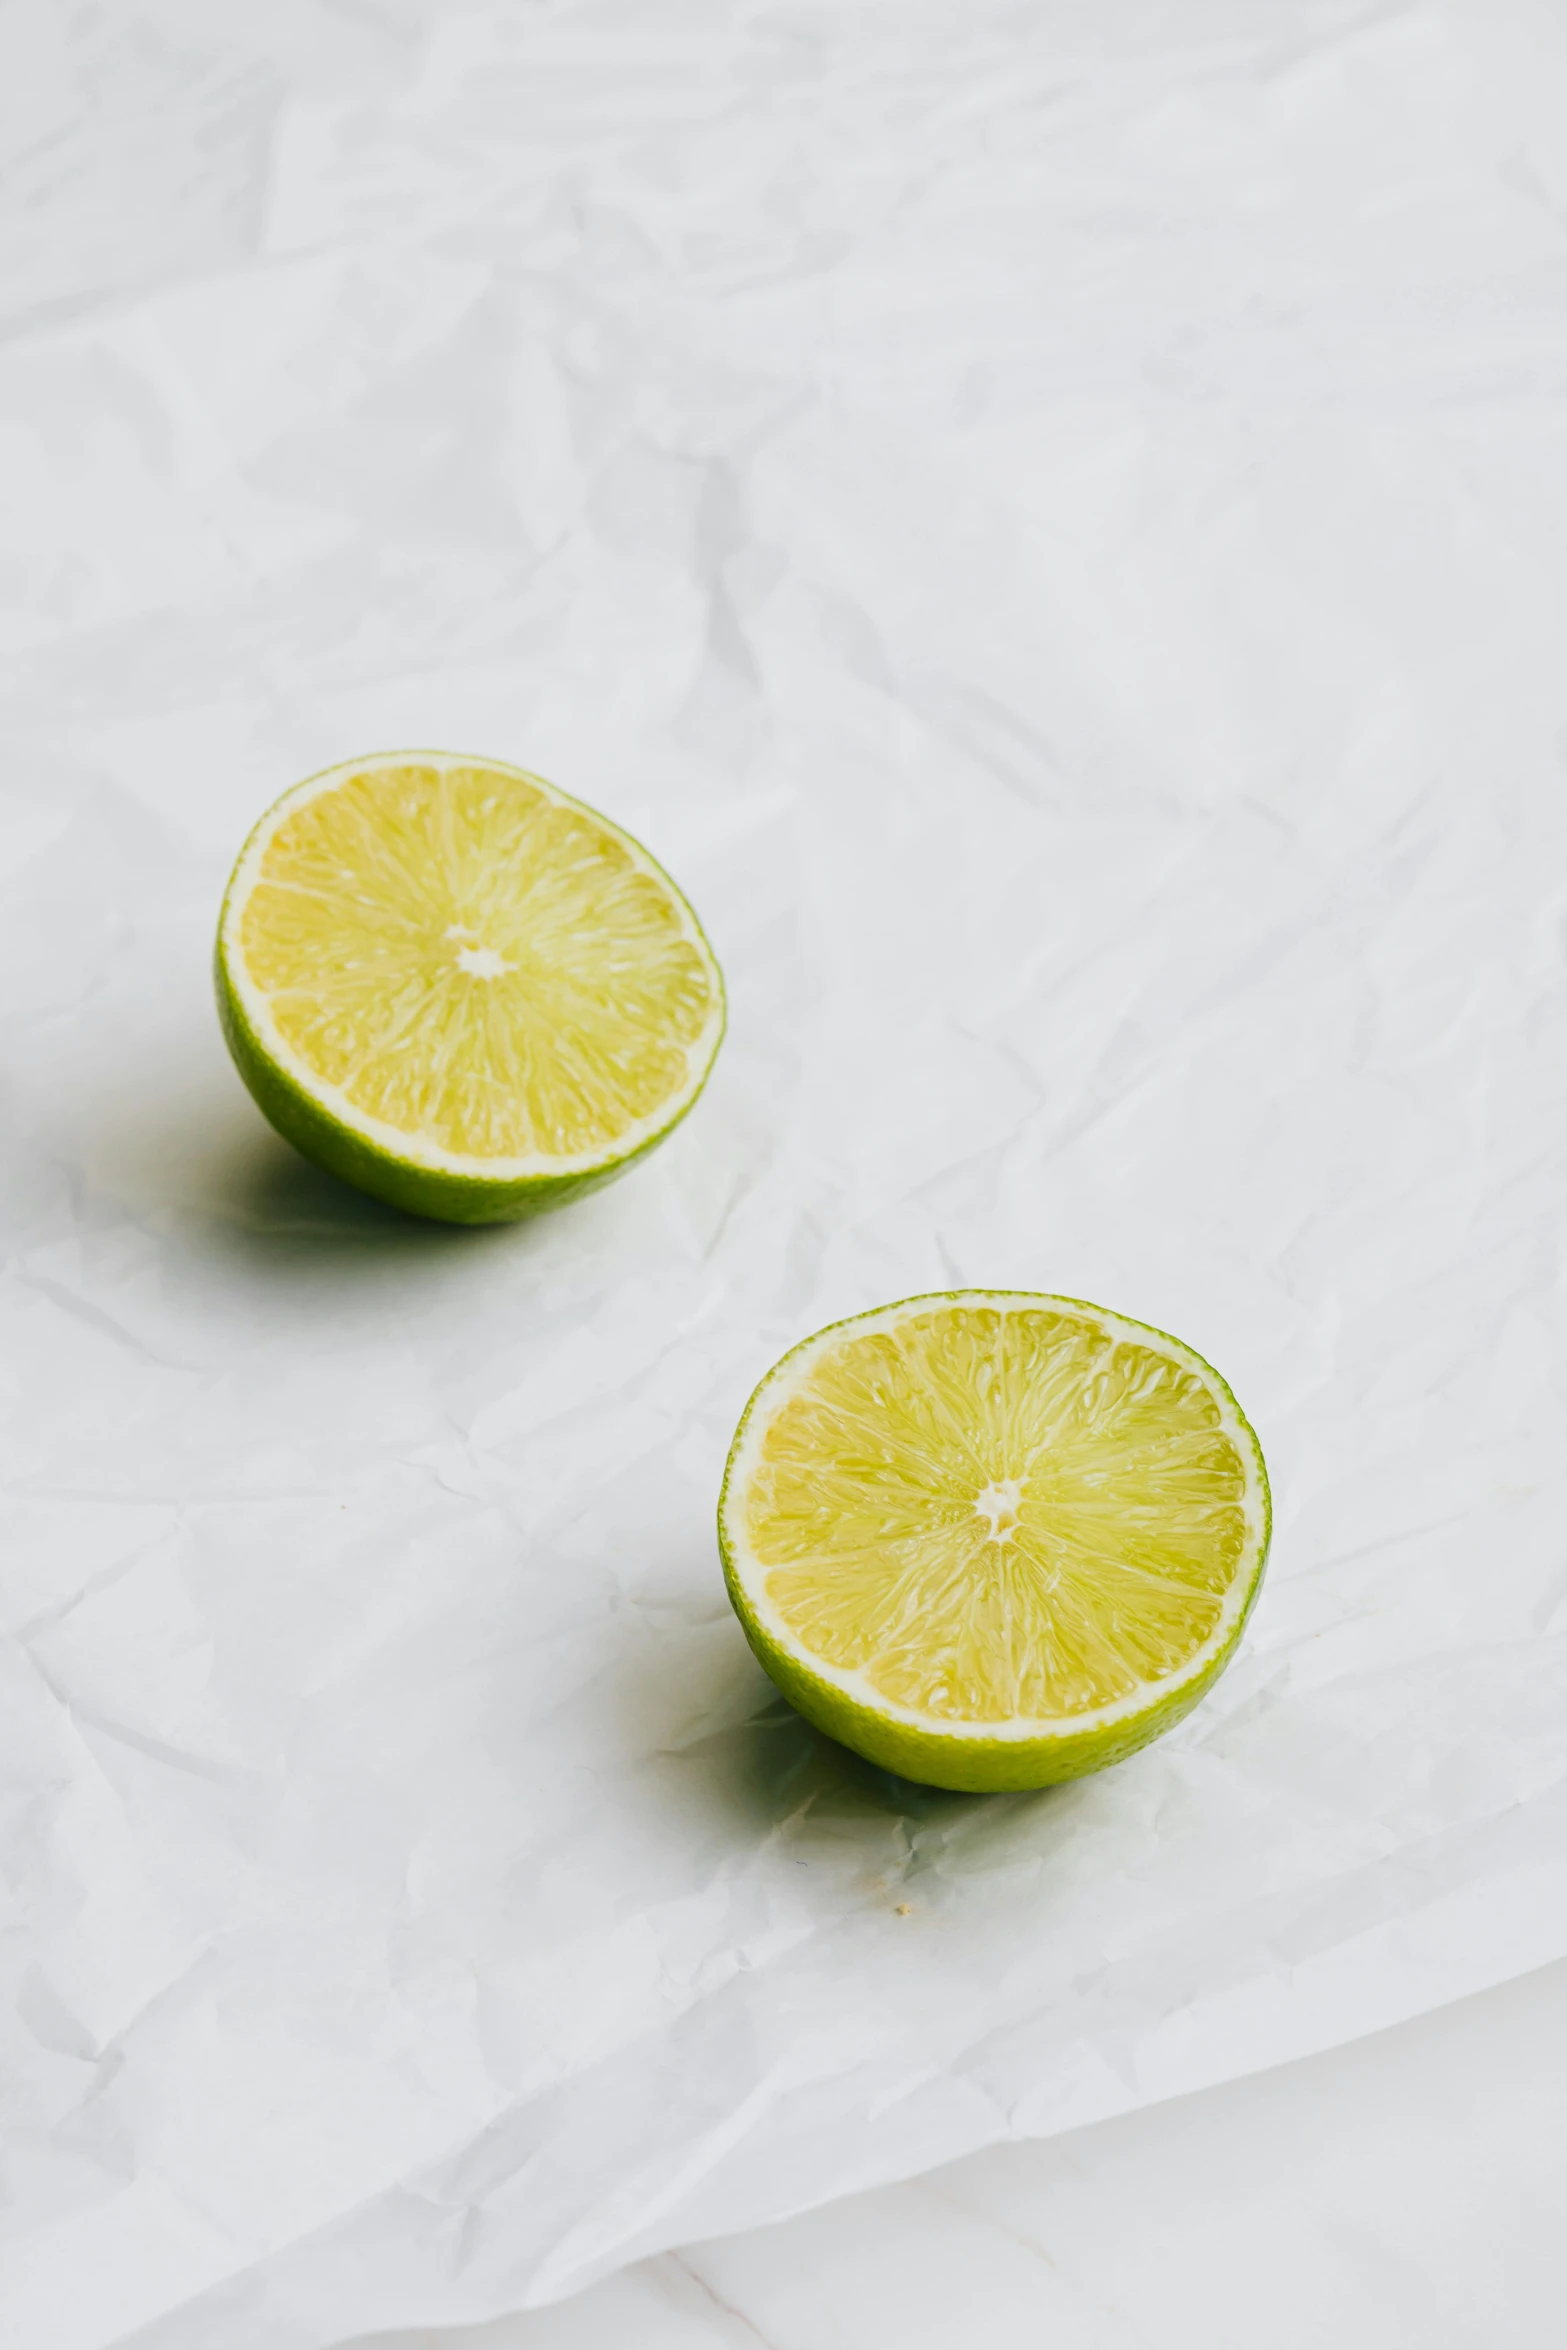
(1000, 1503)
(481, 962)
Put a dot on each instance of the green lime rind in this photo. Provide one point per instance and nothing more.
(320, 1134)
(969, 1762)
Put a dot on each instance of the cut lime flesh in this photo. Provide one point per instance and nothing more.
(994, 1539)
(460, 989)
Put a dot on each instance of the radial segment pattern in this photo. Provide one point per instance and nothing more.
(475, 962)
(996, 1515)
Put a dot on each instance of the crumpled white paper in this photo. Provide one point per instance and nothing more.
(1051, 519)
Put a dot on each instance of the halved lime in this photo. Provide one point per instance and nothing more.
(990, 1539)
(461, 990)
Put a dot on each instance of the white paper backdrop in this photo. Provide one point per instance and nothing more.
(1052, 520)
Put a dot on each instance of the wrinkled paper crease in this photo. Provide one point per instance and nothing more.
(1050, 520)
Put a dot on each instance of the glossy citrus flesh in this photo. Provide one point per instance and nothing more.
(980, 1515)
(470, 960)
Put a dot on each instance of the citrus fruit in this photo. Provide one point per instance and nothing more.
(990, 1539)
(459, 989)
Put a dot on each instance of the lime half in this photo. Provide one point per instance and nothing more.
(459, 989)
(990, 1539)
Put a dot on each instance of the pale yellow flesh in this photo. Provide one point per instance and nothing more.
(996, 1516)
(474, 963)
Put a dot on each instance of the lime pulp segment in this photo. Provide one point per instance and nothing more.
(993, 1517)
(465, 970)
